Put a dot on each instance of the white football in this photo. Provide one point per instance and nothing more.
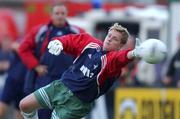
(154, 51)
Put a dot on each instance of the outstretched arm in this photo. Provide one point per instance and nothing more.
(72, 44)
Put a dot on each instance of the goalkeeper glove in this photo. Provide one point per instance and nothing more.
(55, 47)
(137, 51)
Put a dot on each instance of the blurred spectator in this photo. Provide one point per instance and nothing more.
(4, 61)
(172, 77)
(45, 67)
(8, 32)
(13, 88)
(4, 58)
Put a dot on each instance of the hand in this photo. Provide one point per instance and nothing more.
(4, 65)
(15, 46)
(167, 80)
(55, 47)
(41, 70)
(137, 52)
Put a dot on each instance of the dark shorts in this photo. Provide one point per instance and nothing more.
(12, 91)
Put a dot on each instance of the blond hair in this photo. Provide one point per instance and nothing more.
(122, 30)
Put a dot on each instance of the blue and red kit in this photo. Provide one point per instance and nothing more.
(33, 52)
(94, 70)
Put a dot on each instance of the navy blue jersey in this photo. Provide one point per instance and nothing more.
(83, 74)
(94, 70)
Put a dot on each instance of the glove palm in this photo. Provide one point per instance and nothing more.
(55, 47)
(137, 52)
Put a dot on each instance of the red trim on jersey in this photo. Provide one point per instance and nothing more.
(90, 45)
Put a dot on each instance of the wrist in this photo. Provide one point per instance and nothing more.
(135, 53)
(130, 55)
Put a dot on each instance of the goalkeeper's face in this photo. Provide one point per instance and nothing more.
(112, 41)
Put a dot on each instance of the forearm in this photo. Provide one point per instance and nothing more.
(4, 65)
(15, 47)
(26, 53)
(29, 60)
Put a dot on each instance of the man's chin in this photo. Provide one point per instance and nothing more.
(59, 24)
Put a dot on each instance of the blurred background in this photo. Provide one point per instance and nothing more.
(144, 91)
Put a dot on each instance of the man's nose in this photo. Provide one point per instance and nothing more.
(109, 39)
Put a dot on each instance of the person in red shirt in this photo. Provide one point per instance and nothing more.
(93, 72)
(43, 66)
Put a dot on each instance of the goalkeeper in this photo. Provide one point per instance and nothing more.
(91, 75)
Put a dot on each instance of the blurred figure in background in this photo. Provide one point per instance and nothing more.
(4, 59)
(172, 77)
(13, 88)
(4, 54)
(44, 67)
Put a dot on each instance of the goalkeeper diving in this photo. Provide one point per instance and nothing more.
(93, 72)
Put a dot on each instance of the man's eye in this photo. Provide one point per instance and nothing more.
(115, 39)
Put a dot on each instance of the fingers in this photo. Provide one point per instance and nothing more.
(55, 47)
(41, 70)
(50, 45)
(138, 42)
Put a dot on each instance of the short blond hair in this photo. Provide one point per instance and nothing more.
(122, 30)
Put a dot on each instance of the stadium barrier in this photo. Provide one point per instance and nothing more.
(146, 103)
